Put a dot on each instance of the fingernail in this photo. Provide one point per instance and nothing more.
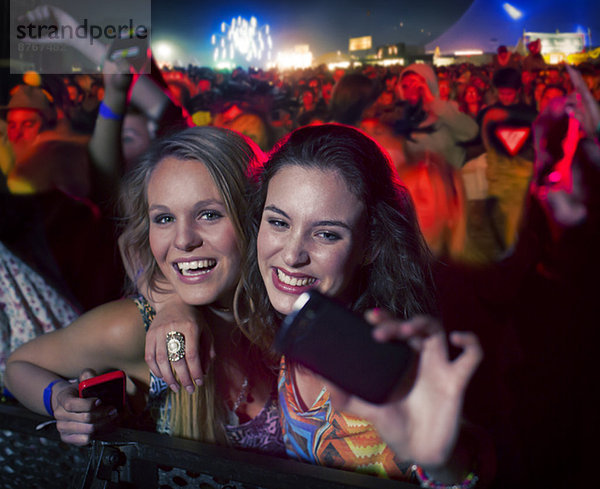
(97, 402)
(198, 382)
(190, 389)
(174, 387)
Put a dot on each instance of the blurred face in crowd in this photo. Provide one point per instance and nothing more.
(308, 99)
(310, 236)
(191, 235)
(390, 83)
(326, 90)
(75, 95)
(386, 98)
(444, 87)
(412, 87)
(527, 77)
(23, 126)
(508, 96)
(553, 77)
(204, 85)
(472, 95)
(338, 73)
(480, 83)
(549, 94)
(135, 137)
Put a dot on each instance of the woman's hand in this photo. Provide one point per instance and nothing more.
(49, 15)
(420, 425)
(79, 419)
(117, 77)
(176, 316)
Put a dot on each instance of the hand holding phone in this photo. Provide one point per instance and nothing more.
(335, 343)
(109, 388)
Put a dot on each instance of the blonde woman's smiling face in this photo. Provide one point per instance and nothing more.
(191, 235)
(311, 235)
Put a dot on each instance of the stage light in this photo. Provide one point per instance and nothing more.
(242, 39)
(513, 12)
(164, 50)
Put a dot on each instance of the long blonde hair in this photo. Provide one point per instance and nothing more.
(227, 155)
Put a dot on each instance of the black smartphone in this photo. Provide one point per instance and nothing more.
(109, 387)
(332, 341)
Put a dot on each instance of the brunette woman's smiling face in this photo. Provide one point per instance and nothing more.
(311, 235)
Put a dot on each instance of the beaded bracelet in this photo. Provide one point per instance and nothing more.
(48, 397)
(429, 483)
(106, 112)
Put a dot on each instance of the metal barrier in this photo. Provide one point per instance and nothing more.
(125, 459)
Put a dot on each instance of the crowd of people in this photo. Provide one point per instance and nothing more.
(455, 207)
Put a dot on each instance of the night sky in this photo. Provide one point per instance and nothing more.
(325, 25)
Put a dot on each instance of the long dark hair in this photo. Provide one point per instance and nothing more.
(396, 272)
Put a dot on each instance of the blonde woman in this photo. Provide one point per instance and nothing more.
(183, 206)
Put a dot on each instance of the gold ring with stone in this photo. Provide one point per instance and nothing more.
(175, 346)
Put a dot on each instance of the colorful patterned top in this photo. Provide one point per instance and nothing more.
(321, 435)
(261, 433)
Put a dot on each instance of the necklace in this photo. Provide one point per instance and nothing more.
(222, 312)
(243, 395)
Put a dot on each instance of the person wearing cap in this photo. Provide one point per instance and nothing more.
(45, 157)
(49, 186)
(29, 112)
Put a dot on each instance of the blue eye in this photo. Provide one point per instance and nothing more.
(163, 219)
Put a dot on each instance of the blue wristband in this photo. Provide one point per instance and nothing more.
(106, 112)
(48, 397)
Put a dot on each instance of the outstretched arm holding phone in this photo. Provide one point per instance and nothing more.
(422, 421)
(106, 338)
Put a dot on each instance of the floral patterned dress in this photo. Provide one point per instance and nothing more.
(29, 306)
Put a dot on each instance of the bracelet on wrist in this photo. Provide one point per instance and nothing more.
(48, 397)
(106, 112)
(427, 482)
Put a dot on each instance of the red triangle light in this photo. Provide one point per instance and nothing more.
(513, 138)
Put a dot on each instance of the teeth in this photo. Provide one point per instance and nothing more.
(294, 281)
(196, 265)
